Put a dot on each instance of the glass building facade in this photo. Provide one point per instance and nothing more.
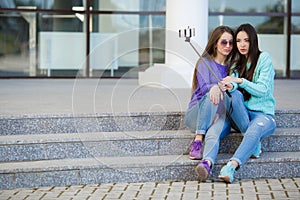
(111, 38)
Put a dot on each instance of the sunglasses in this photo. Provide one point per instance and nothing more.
(225, 42)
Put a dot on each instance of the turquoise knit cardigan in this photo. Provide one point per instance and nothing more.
(261, 87)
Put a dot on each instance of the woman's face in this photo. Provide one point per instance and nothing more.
(243, 43)
(224, 45)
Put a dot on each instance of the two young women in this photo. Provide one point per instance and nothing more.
(252, 105)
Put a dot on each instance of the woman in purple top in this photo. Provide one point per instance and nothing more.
(206, 103)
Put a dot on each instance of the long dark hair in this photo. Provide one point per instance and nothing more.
(211, 50)
(240, 60)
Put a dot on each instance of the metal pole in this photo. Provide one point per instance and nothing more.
(288, 40)
(208, 67)
(87, 31)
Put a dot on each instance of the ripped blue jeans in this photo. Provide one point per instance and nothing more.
(254, 126)
(200, 117)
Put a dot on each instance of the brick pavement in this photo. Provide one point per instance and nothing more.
(288, 188)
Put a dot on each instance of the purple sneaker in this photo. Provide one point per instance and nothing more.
(196, 150)
(203, 170)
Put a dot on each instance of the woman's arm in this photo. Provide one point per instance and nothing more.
(262, 78)
(263, 75)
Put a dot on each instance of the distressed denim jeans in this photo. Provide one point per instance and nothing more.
(253, 125)
(200, 117)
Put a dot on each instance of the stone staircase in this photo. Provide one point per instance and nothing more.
(59, 150)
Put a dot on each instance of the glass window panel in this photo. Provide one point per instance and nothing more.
(129, 5)
(295, 43)
(61, 45)
(128, 37)
(246, 6)
(263, 24)
(14, 45)
(61, 22)
(270, 35)
(114, 44)
(295, 6)
(116, 5)
(273, 43)
(42, 4)
(296, 25)
(17, 53)
(66, 5)
(153, 5)
(7, 4)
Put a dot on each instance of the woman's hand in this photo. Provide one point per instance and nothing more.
(233, 79)
(224, 85)
(215, 94)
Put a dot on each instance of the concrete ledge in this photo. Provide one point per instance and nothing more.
(87, 145)
(128, 143)
(136, 169)
(283, 139)
(39, 124)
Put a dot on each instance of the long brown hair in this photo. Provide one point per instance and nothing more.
(211, 50)
(241, 60)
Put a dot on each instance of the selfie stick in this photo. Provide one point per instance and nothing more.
(188, 33)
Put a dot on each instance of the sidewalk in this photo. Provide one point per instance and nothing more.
(280, 189)
(67, 96)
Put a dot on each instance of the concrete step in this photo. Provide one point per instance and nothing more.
(136, 169)
(98, 144)
(140, 121)
(130, 143)
(41, 124)
(53, 150)
(283, 139)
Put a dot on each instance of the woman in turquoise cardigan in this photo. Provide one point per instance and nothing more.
(251, 85)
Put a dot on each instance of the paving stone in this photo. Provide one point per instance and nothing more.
(293, 194)
(279, 194)
(249, 189)
(264, 196)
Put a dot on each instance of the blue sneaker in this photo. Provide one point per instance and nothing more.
(202, 170)
(257, 151)
(196, 150)
(227, 173)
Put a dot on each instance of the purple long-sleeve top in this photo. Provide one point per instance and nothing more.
(206, 79)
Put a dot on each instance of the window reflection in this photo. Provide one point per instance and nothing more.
(247, 6)
(22, 50)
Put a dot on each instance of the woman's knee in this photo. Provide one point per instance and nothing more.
(189, 122)
(263, 125)
(237, 95)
